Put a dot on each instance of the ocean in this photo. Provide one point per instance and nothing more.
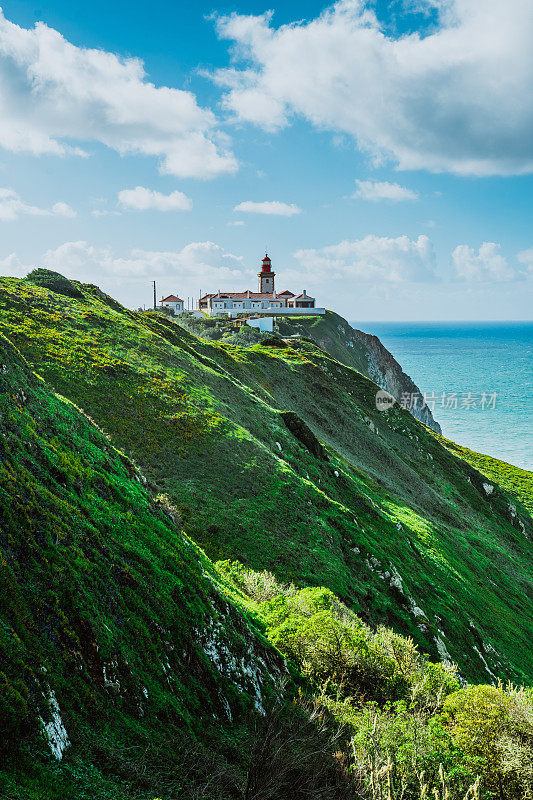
(478, 376)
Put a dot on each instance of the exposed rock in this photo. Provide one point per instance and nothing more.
(363, 352)
(55, 730)
(482, 657)
(387, 373)
(396, 581)
(252, 671)
(445, 657)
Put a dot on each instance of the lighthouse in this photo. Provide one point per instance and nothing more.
(266, 276)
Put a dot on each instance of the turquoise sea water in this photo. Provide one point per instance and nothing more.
(470, 359)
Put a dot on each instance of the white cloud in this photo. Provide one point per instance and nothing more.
(526, 257)
(238, 223)
(455, 98)
(13, 267)
(383, 190)
(102, 212)
(142, 199)
(53, 93)
(198, 260)
(63, 210)
(127, 275)
(269, 207)
(372, 259)
(12, 207)
(487, 264)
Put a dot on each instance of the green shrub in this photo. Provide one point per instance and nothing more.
(494, 727)
(333, 646)
(404, 745)
(53, 281)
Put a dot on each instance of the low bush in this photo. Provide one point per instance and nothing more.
(333, 646)
(493, 727)
(53, 281)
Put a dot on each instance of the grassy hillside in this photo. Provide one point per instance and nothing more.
(363, 352)
(518, 483)
(116, 649)
(353, 348)
(400, 528)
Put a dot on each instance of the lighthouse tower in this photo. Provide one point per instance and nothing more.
(266, 276)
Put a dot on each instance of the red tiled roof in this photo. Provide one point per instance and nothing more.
(248, 295)
(171, 299)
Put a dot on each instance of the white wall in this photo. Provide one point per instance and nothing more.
(279, 312)
(264, 324)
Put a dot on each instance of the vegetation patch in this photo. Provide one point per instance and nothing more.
(54, 281)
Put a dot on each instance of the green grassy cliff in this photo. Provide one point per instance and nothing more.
(400, 528)
(117, 649)
(180, 514)
(353, 348)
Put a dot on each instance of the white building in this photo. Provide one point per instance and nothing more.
(265, 300)
(173, 302)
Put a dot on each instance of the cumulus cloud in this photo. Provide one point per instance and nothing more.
(487, 264)
(372, 259)
(128, 274)
(142, 199)
(456, 97)
(383, 190)
(198, 260)
(270, 207)
(54, 94)
(12, 207)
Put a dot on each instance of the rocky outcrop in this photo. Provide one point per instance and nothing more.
(387, 373)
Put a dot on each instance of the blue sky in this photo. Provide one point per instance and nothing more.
(381, 151)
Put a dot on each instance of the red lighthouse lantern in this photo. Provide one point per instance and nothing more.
(266, 276)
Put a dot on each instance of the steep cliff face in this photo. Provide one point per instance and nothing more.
(363, 352)
(114, 635)
(387, 373)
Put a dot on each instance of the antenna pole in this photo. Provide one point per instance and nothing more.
(155, 301)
